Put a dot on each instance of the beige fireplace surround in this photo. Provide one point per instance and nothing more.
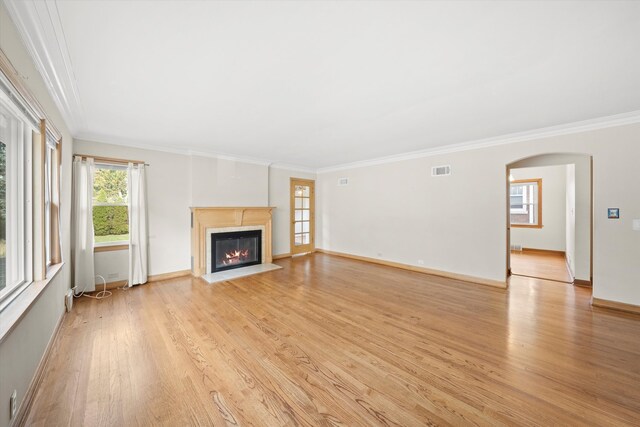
(203, 219)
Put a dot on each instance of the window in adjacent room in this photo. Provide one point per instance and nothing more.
(110, 210)
(526, 203)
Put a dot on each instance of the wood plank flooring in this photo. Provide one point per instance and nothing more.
(333, 341)
(550, 266)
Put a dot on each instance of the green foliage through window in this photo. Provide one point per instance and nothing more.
(110, 211)
(109, 220)
(110, 186)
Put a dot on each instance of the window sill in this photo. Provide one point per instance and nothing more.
(109, 248)
(16, 309)
(525, 226)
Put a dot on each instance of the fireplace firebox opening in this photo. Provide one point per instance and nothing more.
(235, 249)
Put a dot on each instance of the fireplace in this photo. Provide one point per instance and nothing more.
(235, 249)
(206, 221)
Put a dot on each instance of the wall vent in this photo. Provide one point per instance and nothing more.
(517, 248)
(343, 181)
(441, 170)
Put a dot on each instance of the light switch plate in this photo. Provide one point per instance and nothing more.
(636, 225)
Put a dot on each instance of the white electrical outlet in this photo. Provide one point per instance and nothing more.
(420, 262)
(14, 404)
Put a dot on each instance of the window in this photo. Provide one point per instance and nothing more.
(47, 221)
(526, 203)
(110, 210)
(15, 219)
(29, 189)
(3, 207)
(48, 188)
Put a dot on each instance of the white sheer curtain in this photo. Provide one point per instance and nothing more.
(137, 192)
(83, 268)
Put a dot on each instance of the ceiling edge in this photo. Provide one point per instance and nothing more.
(38, 23)
(291, 167)
(243, 159)
(188, 152)
(564, 129)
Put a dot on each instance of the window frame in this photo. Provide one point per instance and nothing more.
(22, 197)
(51, 170)
(120, 244)
(538, 182)
(18, 99)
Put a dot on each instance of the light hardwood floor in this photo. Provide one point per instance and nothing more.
(331, 341)
(550, 266)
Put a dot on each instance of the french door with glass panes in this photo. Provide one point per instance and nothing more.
(302, 215)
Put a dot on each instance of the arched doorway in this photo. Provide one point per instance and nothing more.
(536, 229)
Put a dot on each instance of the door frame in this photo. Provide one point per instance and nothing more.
(312, 215)
(508, 272)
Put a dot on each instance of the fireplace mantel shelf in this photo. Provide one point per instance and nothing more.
(203, 218)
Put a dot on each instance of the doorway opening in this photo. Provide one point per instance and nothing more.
(549, 218)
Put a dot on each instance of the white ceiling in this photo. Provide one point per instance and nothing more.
(318, 84)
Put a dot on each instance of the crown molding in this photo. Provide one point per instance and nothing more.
(123, 142)
(232, 158)
(291, 167)
(103, 139)
(564, 129)
(39, 25)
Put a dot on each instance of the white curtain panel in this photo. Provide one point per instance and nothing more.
(137, 191)
(83, 268)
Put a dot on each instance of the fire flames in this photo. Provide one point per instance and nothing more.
(234, 257)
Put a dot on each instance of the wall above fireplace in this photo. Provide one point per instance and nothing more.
(204, 219)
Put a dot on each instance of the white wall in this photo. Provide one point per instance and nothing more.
(570, 226)
(552, 235)
(279, 197)
(398, 212)
(22, 349)
(217, 182)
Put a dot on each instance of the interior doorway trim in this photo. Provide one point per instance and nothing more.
(550, 159)
(302, 215)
